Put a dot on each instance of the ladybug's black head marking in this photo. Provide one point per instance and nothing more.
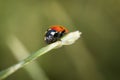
(49, 36)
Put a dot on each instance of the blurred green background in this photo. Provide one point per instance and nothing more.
(95, 56)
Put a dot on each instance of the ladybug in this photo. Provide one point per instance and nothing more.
(54, 33)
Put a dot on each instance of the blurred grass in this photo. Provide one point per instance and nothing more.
(95, 57)
(20, 53)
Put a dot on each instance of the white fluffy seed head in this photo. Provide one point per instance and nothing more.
(71, 38)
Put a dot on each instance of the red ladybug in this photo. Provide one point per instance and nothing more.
(54, 33)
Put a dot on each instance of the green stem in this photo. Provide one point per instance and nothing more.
(66, 40)
(5, 73)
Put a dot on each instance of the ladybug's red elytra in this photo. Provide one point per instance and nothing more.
(54, 33)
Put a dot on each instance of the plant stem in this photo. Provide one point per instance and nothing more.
(5, 73)
(66, 40)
